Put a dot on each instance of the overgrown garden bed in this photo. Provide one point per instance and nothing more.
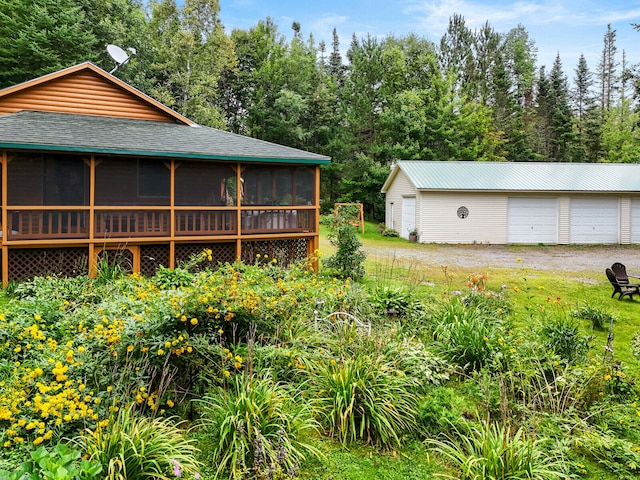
(253, 371)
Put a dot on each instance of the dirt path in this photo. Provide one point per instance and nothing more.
(592, 259)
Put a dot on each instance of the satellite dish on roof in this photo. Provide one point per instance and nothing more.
(119, 55)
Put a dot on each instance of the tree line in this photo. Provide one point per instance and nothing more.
(477, 94)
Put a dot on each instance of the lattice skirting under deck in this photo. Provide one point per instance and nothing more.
(26, 263)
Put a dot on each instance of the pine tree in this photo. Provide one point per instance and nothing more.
(561, 120)
(607, 68)
(41, 37)
(586, 146)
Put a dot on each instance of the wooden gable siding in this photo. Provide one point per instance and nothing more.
(82, 92)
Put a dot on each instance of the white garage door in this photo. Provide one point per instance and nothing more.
(532, 220)
(593, 220)
(635, 220)
(408, 216)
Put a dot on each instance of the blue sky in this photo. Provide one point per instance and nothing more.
(568, 27)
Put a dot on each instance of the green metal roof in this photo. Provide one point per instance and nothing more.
(121, 136)
(521, 176)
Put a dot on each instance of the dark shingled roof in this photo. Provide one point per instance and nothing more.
(121, 136)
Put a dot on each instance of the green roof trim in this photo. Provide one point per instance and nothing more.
(29, 130)
(473, 176)
(148, 153)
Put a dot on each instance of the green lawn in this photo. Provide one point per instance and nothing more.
(552, 291)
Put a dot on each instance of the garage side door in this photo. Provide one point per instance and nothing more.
(594, 220)
(408, 216)
(532, 220)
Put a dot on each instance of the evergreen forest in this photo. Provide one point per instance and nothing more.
(474, 94)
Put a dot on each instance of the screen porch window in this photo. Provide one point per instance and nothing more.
(154, 179)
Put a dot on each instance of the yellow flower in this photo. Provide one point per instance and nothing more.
(518, 259)
(130, 348)
(160, 351)
(226, 373)
(194, 321)
(170, 403)
(607, 377)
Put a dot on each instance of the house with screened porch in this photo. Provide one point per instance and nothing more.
(92, 168)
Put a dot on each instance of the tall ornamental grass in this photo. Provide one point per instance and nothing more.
(135, 447)
(490, 451)
(365, 398)
(254, 428)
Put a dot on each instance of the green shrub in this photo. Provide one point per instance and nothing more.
(134, 447)
(365, 398)
(549, 385)
(347, 262)
(468, 337)
(393, 301)
(599, 317)
(441, 410)
(561, 335)
(61, 463)
(414, 359)
(390, 232)
(255, 428)
(491, 451)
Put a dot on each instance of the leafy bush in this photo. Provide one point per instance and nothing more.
(561, 335)
(414, 359)
(469, 337)
(441, 410)
(598, 315)
(61, 463)
(390, 232)
(134, 447)
(255, 427)
(549, 385)
(393, 301)
(348, 260)
(364, 398)
(491, 451)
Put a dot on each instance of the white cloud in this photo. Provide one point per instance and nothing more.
(323, 26)
(432, 16)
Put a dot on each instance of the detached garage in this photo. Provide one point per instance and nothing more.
(519, 203)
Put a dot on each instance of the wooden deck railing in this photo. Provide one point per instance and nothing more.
(60, 224)
(132, 223)
(270, 221)
(206, 222)
(47, 224)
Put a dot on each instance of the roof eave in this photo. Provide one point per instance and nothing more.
(558, 192)
(163, 154)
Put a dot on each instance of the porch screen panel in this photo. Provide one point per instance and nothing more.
(36, 179)
(279, 185)
(204, 184)
(132, 182)
(24, 179)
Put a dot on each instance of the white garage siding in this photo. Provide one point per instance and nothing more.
(401, 186)
(594, 220)
(438, 220)
(532, 220)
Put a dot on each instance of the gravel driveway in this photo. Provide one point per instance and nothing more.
(569, 258)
